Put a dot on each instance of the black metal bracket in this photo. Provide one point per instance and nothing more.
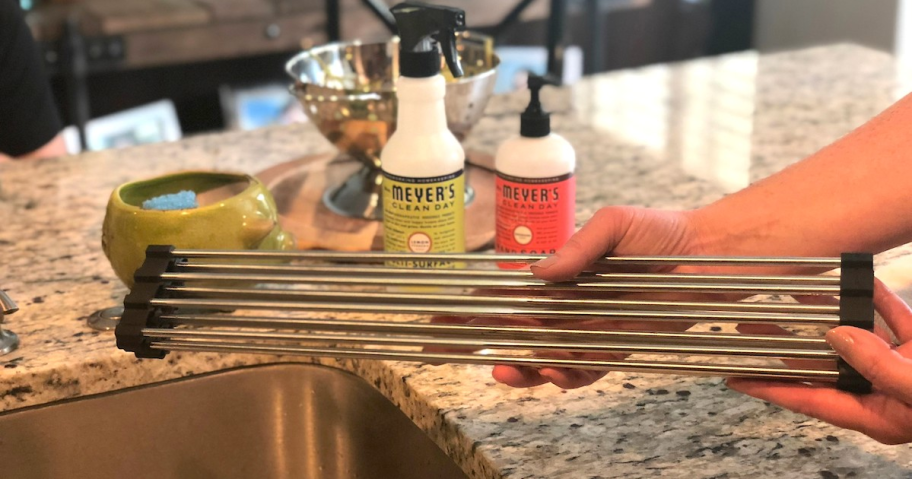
(74, 57)
(138, 310)
(381, 11)
(856, 309)
(511, 18)
(555, 45)
(333, 23)
(554, 41)
(75, 69)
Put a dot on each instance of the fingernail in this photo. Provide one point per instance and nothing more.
(840, 340)
(546, 263)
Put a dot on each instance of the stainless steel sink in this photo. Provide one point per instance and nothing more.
(277, 421)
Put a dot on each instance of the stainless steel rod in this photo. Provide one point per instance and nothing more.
(660, 367)
(511, 332)
(362, 296)
(631, 287)
(489, 311)
(611, 260)
(499, 274)
(480, 343)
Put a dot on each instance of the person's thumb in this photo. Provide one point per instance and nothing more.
(597, 237)
(887, 370)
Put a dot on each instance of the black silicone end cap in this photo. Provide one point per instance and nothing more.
(419, 64)
(850, 380)
(139, 314)
(535, 125)
(138, 310)
(856, 291)
(129, 336)
(856, 309)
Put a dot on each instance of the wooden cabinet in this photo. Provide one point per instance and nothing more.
(162, 32)
(133, 50)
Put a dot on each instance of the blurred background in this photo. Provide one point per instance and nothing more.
(127, 72)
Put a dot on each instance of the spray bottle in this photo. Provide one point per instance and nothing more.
(423, 163)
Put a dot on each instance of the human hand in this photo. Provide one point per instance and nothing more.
(619, 231)
(886, 414)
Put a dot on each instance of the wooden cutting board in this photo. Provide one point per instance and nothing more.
(298, 188)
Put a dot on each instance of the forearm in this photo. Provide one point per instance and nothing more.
(854, 195)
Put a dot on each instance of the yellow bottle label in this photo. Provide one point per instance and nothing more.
(424, 215)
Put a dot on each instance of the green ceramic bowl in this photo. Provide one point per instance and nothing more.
(236, 212)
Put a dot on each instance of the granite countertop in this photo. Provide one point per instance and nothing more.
(668, 136)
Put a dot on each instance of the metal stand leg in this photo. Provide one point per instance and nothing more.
(595, 57)
(8, 339)
(74, 67)
(556, 38)
(333, 26)
(511, 18)
(333, 17)
(555, 26)
(381, 11)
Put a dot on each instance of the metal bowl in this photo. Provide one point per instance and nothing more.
(348, 91)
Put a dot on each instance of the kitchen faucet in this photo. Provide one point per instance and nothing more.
(9, 341)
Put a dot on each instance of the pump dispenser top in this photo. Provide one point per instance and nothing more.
(421, 28)
(535, 122)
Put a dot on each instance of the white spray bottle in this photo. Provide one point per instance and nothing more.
(423, 163)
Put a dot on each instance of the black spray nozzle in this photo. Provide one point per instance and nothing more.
(421, 27)
(535, 122)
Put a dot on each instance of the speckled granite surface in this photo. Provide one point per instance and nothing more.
(667, 136)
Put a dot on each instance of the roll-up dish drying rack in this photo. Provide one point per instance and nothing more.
(292, 303)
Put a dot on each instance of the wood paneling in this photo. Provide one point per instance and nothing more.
(224, 40)
(238, 9)
(479, 13)
(113, 17)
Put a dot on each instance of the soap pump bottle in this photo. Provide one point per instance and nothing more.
(536, 189)
(423, 163)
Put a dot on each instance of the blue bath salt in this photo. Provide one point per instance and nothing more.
(183, 200)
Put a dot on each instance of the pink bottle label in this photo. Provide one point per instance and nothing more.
(534, 215)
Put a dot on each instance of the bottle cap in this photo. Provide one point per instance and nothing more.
(422, 28)
(535, 122)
